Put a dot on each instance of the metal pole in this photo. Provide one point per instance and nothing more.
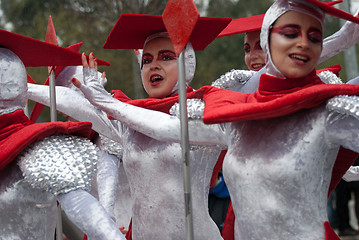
(53, 113)
(185, 146)
(53, 118)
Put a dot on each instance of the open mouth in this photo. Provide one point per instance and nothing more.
(257, 65)
(156, 78)
(299, 58)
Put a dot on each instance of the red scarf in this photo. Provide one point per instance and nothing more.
(17, 132)
(275, 97)
(157, 104)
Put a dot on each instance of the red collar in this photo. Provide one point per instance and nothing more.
(275, 98)
(17, 132)
(158, 104)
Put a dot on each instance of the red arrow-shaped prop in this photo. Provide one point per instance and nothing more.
(180, 18)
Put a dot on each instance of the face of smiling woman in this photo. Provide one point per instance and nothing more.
(254, 55)
(296, 44)
(159, 68)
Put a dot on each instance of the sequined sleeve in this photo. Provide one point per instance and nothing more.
(233, 79)
(59, 163)
(342, 123)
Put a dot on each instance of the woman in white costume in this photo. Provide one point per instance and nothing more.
(154, 168)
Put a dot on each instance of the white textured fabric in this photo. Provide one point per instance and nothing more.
(59, 163)
(13, 81)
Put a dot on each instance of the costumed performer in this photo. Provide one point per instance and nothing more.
(154, 167)
(255, 60)
(43, 163)
(111, 185)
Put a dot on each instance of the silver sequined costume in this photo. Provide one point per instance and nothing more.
(56, 168)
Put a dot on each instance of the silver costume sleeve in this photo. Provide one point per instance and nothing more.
(75, 105)
(157, 125)
(107, 181)
(352, 174)
(342, 123)
(346, 37)
(89, 215)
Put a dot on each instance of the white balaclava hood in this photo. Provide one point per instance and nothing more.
(189, 59)
(13, 82)
(278, 8)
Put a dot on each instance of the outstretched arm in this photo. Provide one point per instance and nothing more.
(158, 125)
(75, 105)
(343, 39)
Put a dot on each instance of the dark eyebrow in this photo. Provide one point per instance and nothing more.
(314, 29)
(165, 51)
(146, 54)
(292, 25)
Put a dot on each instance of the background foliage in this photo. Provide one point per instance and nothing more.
(91, 21)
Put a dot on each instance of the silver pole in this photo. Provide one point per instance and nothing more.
(185, 146)
(53, 118)
(53, 113)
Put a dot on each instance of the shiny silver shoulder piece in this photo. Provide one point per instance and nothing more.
(329, 77)
(345, 105)
(111, 147)
(195, 108)
(233, 78)
(59, 163)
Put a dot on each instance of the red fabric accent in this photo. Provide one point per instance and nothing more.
(249, 24)
(217, 167)
(17, 132)
(344, 160)
(131, 31)
(180, 18)
(129, 233)
(228, 106)
(36, 53)
(228, 227)
(328, 9)
(334, 69)
(242, 25)
(30, 79)
(51, 33)
(162, 105)
(329, 232)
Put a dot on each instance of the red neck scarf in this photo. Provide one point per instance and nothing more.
(17, 132)
(157, 104)
(275, 97)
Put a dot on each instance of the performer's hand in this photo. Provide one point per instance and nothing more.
(91, 87)
(123, 230)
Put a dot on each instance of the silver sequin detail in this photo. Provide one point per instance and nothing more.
(111, 147)
(195, 108)
(233, 78)
(329, 78)
(59, 163)
(345, 105)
